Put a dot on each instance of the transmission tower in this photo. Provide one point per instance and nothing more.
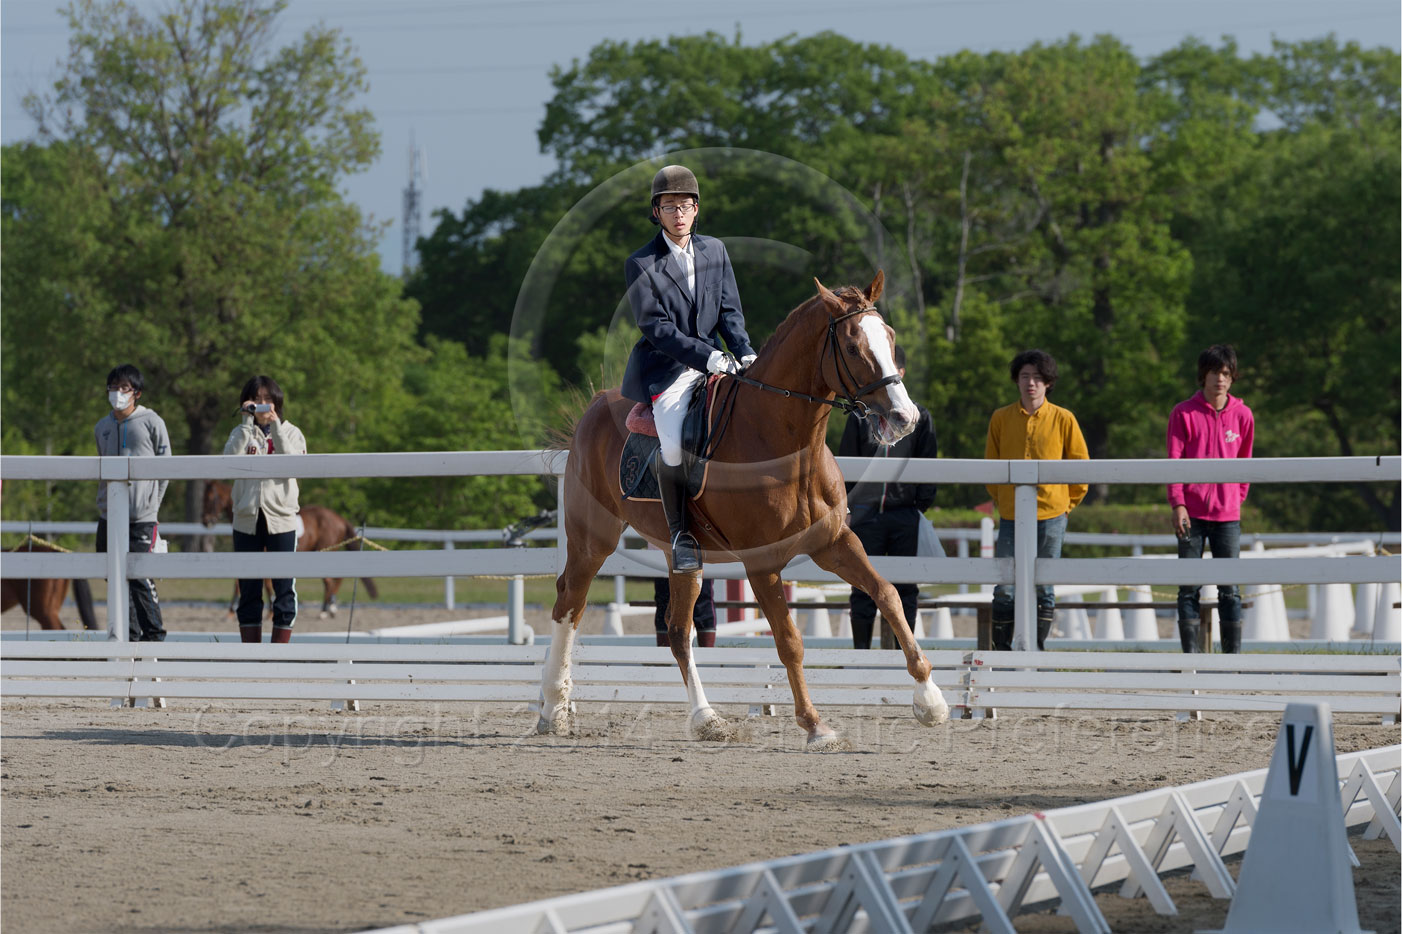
(413, 214)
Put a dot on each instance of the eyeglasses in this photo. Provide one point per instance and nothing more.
(685, 209)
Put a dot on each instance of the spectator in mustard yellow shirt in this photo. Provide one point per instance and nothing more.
(1033, 429)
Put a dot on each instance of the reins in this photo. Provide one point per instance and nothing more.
(848, 401)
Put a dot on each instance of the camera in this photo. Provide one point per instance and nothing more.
(257, 408)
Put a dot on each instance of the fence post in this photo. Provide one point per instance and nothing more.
(961, 549)
(516, 611)
(985, 546)
(449, 596)
(115, 471)
(1024, 475)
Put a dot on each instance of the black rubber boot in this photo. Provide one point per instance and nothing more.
(1044, 625)
(1003, 635)
(1188, 635)
(663, 640)
(671, 481)
(1231, 636)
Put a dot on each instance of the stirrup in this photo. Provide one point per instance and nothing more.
(686, 553)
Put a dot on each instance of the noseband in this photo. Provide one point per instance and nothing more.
(848, 401)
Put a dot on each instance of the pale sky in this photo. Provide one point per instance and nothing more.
(469, 78)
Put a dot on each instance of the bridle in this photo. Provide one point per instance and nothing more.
(848, 401)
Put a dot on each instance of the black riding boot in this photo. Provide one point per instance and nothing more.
(1188, 634)
(671, 481)
(1002, 635)
(1231, 636)
(1044, 625)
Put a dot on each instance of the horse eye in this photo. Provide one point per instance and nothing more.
(852, 349)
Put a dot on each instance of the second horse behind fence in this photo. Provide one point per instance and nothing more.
(322, 529)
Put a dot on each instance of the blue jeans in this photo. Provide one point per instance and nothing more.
(1050, 533)
(1225, 539)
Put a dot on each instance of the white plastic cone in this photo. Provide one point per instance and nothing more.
(1109, 624)
(941, 624)
(613, 620)
(1280, 619)
(1296, 877)
(814, 623)
(1209, 595)
(1076, 624)
(1333, 613)
(1141, 624)
(1256, 620)
(1365, 601)
(1387, 618)
(917, 626)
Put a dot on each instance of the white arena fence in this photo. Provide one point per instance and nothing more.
(1024, 569)
(990, 870)
(964, 540)
(974, 683)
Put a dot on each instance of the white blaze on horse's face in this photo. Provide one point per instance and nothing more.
(900, 420)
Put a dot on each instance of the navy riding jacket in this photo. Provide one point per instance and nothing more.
(680, 330)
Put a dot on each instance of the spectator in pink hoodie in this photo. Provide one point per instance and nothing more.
(1213, 423)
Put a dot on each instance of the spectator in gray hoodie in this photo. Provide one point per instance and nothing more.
(132, 430)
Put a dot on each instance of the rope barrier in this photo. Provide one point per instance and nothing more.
(351, 541)
(1282, 588)
(48, 544)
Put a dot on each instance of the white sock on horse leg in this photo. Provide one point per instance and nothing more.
(700, 708)
(555, 683)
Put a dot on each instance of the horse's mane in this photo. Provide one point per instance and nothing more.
(791, 322)
(570, 411)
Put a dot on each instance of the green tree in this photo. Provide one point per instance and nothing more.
(195, 164)
(453, 402)
(1306, 287)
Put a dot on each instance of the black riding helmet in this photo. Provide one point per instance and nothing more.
(673, 180)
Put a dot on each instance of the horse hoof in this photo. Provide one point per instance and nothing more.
(929, 707)
(710, 727)
(827, 742)
(558, 725)
(324, 614)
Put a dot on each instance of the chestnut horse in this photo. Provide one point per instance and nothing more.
(321, 528)
(773, 492)
(42, 598)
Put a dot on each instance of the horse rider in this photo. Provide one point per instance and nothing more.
(682, 290)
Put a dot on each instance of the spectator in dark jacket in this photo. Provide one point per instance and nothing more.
(886, 516)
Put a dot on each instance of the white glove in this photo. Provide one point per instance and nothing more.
(746, 360)
(721, 362)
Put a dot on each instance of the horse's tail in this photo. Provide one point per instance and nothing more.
(577, 400)
(82, 598)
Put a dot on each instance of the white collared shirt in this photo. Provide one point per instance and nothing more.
(686, 258)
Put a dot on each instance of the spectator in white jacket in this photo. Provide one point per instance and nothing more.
(265, 511)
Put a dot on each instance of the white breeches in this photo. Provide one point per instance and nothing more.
(669, 411)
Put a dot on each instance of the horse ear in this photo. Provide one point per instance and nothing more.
(877, 285)
(826, 295)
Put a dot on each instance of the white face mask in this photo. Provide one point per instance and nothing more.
(118, 400)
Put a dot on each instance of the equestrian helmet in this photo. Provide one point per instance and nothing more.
(674, 180)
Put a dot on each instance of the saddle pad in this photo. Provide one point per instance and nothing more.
(636, 479)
